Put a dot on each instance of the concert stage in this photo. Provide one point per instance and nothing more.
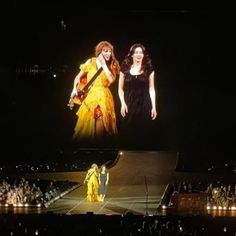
(137, 183)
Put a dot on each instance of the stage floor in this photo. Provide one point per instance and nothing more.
(138, 180)
(137, 183)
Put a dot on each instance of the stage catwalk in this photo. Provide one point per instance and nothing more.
(137, 183)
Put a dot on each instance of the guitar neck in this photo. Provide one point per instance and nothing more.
(86, 87)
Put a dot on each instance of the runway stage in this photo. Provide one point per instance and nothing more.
(137, 183)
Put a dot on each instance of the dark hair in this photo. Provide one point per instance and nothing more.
(128, 61)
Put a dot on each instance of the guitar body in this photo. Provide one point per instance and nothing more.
(81, 95)
(82, 89)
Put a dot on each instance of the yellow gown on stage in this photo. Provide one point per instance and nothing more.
(92, 185)
(98, 95)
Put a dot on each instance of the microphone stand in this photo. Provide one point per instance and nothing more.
(146, 186)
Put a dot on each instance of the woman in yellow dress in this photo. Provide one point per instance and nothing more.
(96, 114)
(92, 183)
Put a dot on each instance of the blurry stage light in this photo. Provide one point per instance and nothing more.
(63, 25)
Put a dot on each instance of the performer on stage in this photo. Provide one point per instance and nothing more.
(103, 179)
(92, 183)
(96, 114)
(137, 94)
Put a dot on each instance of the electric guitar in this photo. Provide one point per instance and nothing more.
(82, 92)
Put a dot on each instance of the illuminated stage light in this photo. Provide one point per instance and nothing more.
(163, 207)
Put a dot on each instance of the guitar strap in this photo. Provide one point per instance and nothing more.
(90, 175)
(82, 92)
(86, 87)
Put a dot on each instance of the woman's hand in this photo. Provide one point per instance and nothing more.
(71, 100)
(124, 109)
(153, 113)
(74, 92)
(101, 60)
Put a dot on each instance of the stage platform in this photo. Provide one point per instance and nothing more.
(137, 183)
(138, 180)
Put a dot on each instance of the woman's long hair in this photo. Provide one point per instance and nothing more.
(146, 66)
(113, 63)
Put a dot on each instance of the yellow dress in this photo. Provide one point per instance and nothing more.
(99, 94)
(92, 186)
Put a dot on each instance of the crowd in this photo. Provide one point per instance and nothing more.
(22, 192)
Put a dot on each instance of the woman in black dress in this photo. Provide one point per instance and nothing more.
(137, 94)
(103, 179)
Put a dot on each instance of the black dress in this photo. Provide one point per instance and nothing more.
(136, 126)
(103, 186)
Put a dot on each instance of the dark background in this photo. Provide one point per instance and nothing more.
(192, 50)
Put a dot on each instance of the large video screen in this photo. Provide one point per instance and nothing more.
(152, 92)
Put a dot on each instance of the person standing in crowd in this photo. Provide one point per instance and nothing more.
(137, 94)
(103, 179)
(91, 179)
(96, 114)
